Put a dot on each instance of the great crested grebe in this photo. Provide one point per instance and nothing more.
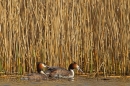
(37, 76)
(59, 72)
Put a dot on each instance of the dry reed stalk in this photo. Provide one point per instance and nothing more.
(59, 32)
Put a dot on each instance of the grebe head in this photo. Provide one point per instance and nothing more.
(74, 65)
(40, 67)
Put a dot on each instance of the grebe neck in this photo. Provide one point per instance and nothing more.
(72, 73)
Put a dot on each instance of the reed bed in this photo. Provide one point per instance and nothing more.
(94, 33)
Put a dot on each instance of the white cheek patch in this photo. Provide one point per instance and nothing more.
(43, 65)
(77, 67)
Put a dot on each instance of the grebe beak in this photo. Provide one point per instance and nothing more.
(79, 69)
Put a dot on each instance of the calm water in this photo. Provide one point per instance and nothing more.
(79, 81)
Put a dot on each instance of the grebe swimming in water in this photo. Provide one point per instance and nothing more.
(37, 76)
(59, 72)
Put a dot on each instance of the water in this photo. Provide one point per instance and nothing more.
(79, 81)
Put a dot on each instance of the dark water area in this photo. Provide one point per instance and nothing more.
(79, 81)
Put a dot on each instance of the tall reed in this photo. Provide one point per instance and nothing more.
(57, 32)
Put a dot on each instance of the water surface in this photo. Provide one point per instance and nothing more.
(79, 81)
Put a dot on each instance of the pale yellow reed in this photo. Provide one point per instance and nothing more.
(57, 32)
